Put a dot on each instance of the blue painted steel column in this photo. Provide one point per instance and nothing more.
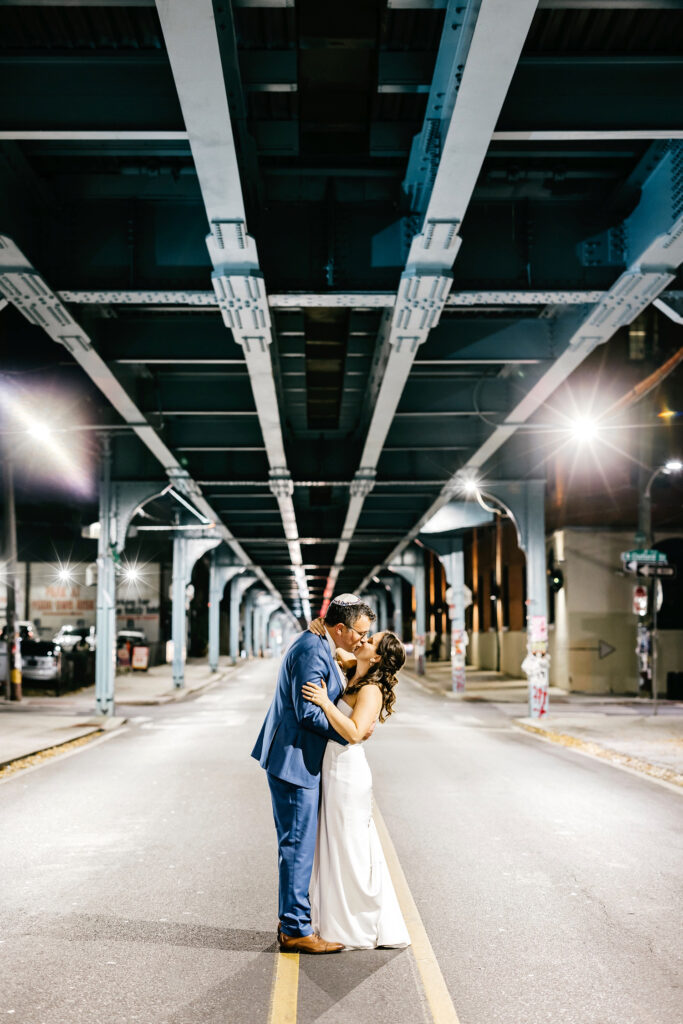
(235, 600)
(178, 612)
(536, 664)
(397, 597)
(249, 624)
(216, 587)
(454, 564)
(525, 501)
(383, 616)
(258, 617)
(105, 655)
(420, 616)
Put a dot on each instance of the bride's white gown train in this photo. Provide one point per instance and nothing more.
(352, 896)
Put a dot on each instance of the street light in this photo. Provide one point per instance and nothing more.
(645, 504)
(584, 429)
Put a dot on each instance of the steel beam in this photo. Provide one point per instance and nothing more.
(23, 286)
(652, 241)
(493, 45)
(343, 300)
(577, 5)
(192, 44)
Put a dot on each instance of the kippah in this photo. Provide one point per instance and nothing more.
(345, 600)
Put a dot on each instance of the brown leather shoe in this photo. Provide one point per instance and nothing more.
(307, 944)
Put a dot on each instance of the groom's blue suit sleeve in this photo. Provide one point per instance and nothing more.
(311, 667)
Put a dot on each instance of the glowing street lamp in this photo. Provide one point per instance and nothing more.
(584, 429)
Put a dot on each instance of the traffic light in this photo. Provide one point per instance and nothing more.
(555, 579)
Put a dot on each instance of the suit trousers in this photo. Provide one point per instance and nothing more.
(295, 811)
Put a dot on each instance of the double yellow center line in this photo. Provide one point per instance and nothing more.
(283, 1009)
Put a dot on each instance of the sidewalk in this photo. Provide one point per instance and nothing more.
(43, 722)
(622, 730)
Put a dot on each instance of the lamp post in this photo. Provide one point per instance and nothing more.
(13, 645)
(645, 532)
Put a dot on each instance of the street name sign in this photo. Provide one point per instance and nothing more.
(645, 556)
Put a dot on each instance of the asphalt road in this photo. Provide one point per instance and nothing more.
(139, 876)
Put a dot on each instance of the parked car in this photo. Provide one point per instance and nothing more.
(68, 636)
(41, 660)
(27, 631)
(134, 637)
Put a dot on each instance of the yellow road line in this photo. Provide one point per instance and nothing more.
(285, 989)
(437, 995)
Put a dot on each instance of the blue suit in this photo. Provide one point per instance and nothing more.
(290, 747)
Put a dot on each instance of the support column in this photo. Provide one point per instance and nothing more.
(219, 576)
(257, 630)
(411, 567)
(382, 611)
(454, 565)
(237, 588)
(105, 655)
(397, 597)
(249, 623)
(525, 501)
(215, 595)
(420, 618)
(178, 610)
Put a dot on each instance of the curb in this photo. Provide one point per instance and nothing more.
(592, 749)
(94, 730)
(175, 697)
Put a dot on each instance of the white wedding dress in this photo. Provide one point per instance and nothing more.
(352, 896)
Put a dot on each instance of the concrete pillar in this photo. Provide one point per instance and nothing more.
(178, 610)
(105, 656)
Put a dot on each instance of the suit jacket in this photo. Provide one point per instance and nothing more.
(295, 732)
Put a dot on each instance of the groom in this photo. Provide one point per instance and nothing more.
(290, 747)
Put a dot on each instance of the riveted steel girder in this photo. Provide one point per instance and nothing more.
(25, 288)
(493, 45)
(652, 238)
(192, 44)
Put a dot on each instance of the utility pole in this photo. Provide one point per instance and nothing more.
(13, 679)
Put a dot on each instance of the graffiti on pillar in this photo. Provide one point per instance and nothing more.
(459, 641)
(536, 665)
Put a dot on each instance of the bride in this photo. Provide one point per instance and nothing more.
(352, 896)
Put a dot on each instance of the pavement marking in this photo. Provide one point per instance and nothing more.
(435, 990)
(283, 1005)
(635, 765)
(24, 765)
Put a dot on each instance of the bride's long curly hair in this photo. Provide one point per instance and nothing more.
(392, 656)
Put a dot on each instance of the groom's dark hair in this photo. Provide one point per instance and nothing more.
(347, 614)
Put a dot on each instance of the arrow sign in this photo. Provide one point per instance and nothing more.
(645, 569)
(603, 649)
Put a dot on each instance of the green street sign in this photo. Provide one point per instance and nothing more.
(643, 556)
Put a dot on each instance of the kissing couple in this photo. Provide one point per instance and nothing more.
(335, 682)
